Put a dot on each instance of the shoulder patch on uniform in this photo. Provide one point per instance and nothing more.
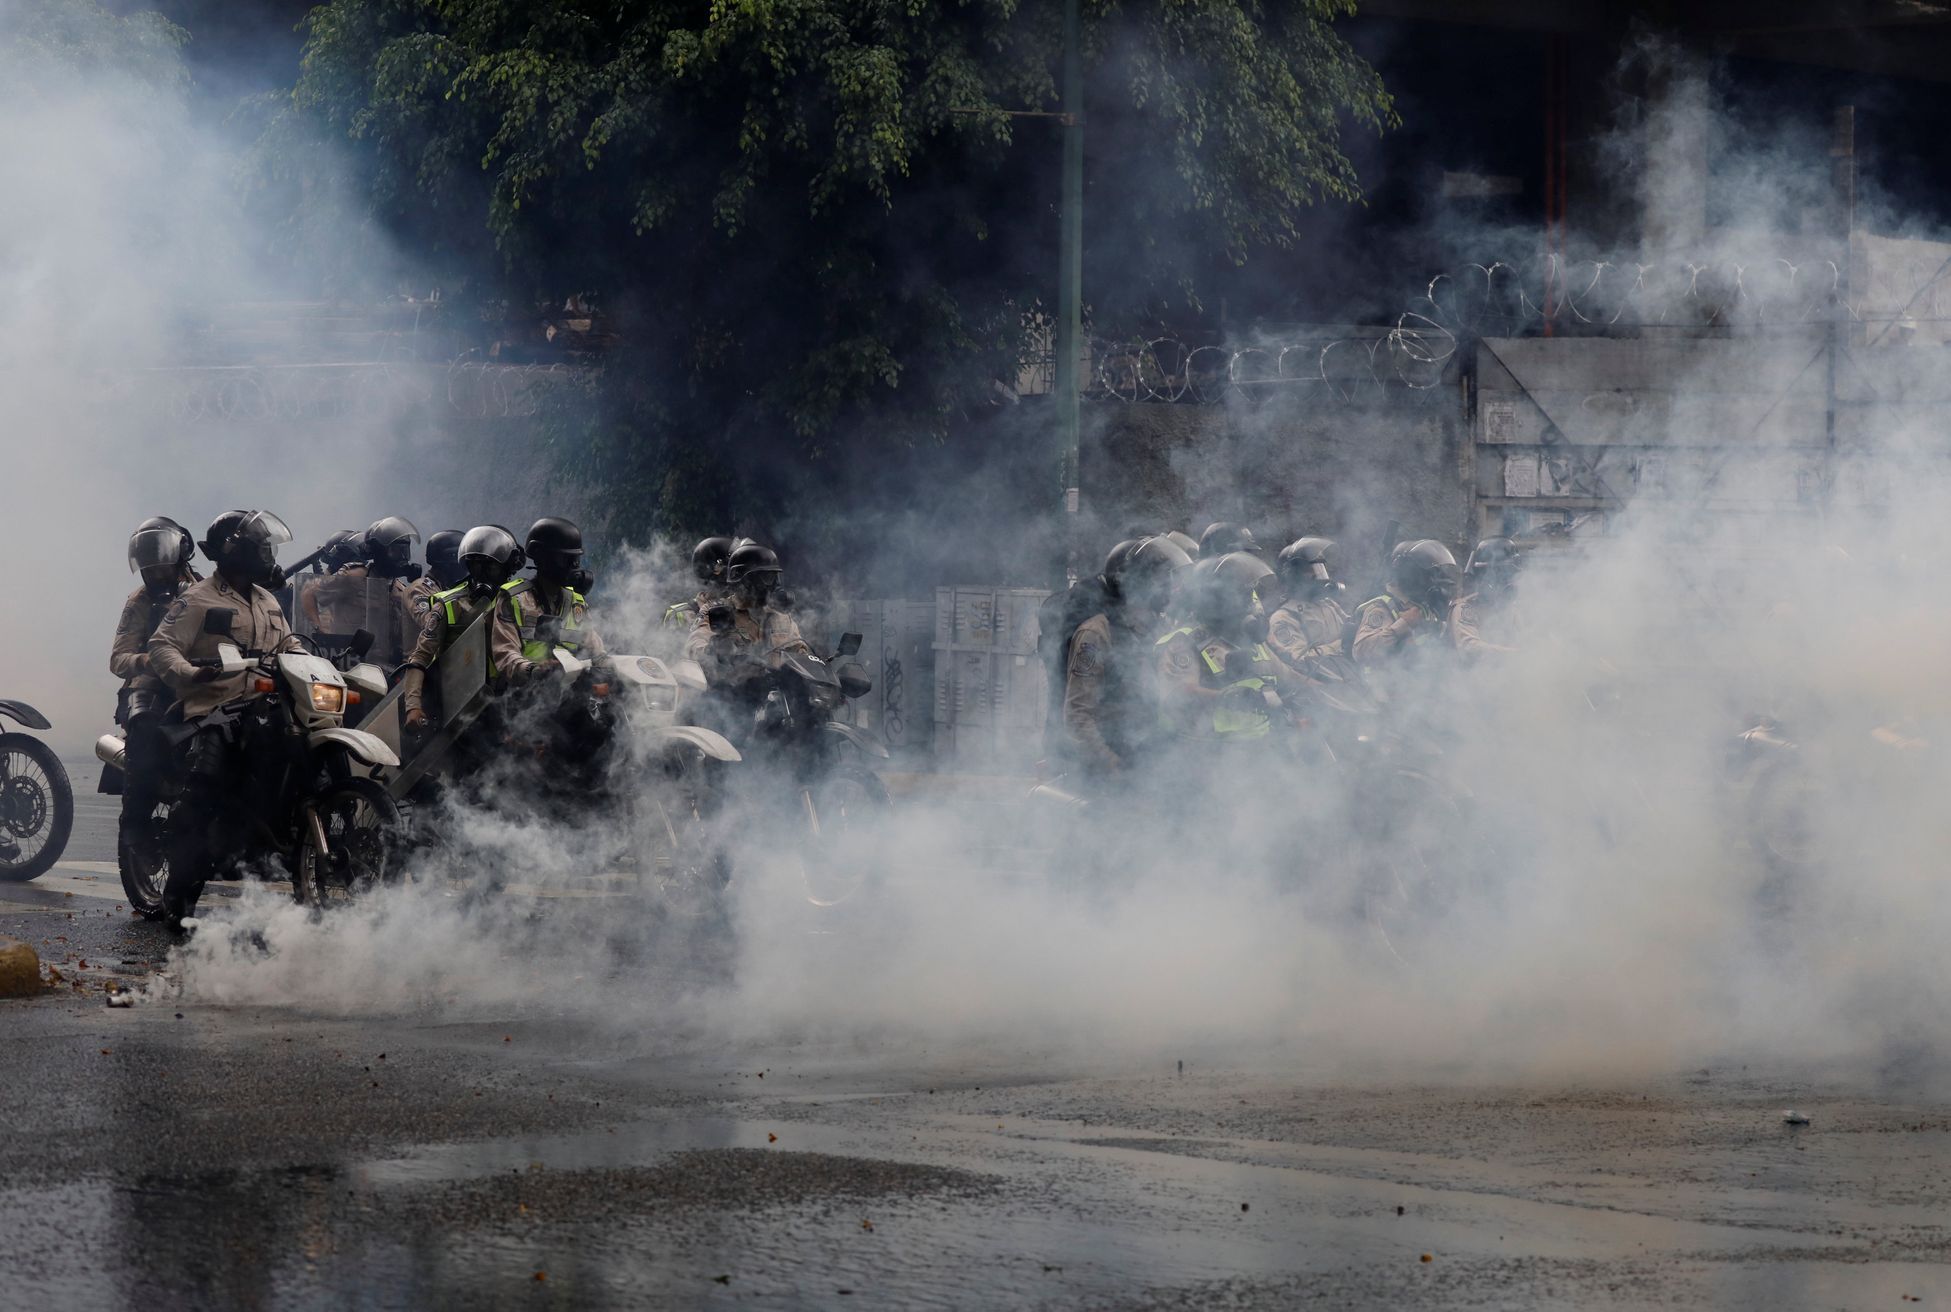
(1087, 659)
(175, 611)
(1286, 633)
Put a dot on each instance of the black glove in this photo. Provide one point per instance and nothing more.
(719, 615)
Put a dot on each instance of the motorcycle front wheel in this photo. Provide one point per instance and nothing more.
(37, 808)
(361, 828)
(843, 811)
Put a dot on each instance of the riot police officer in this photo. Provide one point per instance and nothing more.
(1213, 672)
(1108, 716)
(535, 615)
(489, 557)
(1484, 621)
(1412, 612)
(160, 550)
(742, 633)
(1309, 622)
(708, 561)
(444, 567)
(243, 544)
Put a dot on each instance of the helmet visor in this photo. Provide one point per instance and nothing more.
(155, 547)
(262, 528)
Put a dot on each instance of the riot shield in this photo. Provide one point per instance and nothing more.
(458, 682)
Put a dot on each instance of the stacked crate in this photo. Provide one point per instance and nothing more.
(897, 650)
(989, 685)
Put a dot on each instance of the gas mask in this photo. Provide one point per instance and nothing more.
(253, 562)
(1317, 585)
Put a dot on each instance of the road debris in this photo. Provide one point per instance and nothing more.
(1793, 1117)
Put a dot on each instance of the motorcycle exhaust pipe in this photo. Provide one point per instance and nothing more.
(1051, 795)
(110, 750)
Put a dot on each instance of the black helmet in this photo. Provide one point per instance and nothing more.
(389, 545)
(555, 548)
(1114, 559)
(1225, 592)
(490, 555)
(754, 570)
(158, 542)
(708, 559)
(346, 547)
(1424, 573)
(1141, 573)
(244, 544)
(1223, 537)
(1184, 542)
(1307, 568)
(1493, 565)
(444, 557)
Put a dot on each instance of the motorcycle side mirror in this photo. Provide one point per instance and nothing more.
(362, 642)
(218, 621)
(229, 659)
(849, 644)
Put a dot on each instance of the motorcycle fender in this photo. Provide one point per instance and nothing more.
(711, 743)
(866, 739)
(367, 747)
(26, 714)
(111, 750)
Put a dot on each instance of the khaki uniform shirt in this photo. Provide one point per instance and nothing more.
(1102, 704)
(1381, 635)
(1478, 629)
(505, 638)
(257, 628)
(755, 640)
(128, 653)
(1300, 629)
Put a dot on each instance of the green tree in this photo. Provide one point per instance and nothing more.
(815, 223)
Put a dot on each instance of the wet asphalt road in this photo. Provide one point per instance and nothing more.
(178, 1154)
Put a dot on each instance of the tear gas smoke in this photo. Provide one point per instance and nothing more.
(1608, 908)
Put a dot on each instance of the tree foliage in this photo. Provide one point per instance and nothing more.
(46, 45)
(816, 223)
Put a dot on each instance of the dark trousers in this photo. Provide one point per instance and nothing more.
(195, 824)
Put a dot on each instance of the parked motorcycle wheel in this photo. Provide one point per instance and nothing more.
(142, 857)
(362, 829)
(37, 808)
(837, 859)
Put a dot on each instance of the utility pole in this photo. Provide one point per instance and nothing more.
(1070, 281)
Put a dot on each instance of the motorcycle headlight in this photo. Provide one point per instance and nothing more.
(661, 697)
(328, 698)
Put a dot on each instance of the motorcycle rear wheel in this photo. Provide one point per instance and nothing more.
(362, 832)
(37, 808)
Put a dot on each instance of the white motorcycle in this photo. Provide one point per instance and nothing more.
(310, 793)
(636, 704)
